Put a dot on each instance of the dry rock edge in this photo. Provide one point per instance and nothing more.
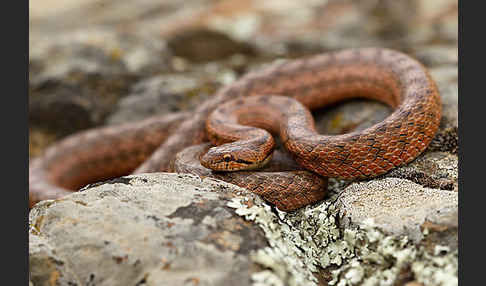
(150, 229)
(398, 206)
(179, 229)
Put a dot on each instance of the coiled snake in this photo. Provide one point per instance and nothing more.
(313, 82)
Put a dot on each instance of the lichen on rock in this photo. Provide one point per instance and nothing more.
(309, 241)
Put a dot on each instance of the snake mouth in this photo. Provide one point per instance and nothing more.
(247, 165)
(241, 161)
(238, 165)
(231, 162)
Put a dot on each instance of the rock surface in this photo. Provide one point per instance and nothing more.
(174, 229)
(180, 229)
(437, 170)
(162, 94)
(396, 206)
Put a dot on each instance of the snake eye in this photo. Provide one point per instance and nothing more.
(227, 157)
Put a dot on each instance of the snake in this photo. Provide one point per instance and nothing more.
(280, 181)
(248, 106)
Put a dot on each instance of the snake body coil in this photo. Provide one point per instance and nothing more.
(380, 74)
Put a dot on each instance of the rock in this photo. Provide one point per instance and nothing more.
(437, 55)
(65, 106)
(446, 138)
(38, 141)
(150, 229)
(352, 115)
(201, 45)
(397, 206)
(163, 94)
(172, 92)
(413, 283)
(92, 50)
(44, 264)
(399, 16)
(86, 52)
(446, 78)
(441, 229)
(75, 81)
(436, 170)
(313, 246)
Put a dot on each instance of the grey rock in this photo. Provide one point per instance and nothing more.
(446, 138)
(446, 77)
(76, 79)
(44, 264)
(353, 115)
(83, 52)
(437, 170)
(101, 50)
(437, 55)
(150, 229)
(399, 16)
(162, 94)
(76, 102)
(397, 206)
(203, 45)
(441, 228)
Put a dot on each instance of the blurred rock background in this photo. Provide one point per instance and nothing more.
(98, 62)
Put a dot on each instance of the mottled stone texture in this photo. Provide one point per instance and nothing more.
(158, 229)
(398, 206)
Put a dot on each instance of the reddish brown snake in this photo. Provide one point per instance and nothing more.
(385, 75)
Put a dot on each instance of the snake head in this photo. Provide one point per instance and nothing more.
(233, 157)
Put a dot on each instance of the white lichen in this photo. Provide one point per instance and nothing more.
(438, 269)
(306, 241)
(266, 278)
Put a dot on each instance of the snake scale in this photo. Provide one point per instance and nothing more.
(275, 98)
